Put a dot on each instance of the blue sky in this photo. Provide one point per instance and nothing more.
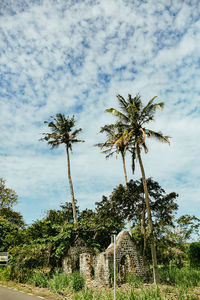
(74, 57)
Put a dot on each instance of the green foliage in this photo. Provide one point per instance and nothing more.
(10, 221)
(127, 202)
(8, 197)
(135, 281)
(187, 226)
(5, 273)
(96, 227)
(10, 235)
(31, 255)
(78, 281)
(194, 254)
(59, 283)
(39, 278)
(15, 218)
(184, 277)
(87, 294)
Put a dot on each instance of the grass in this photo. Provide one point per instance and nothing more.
(176, 283)
(185, 277)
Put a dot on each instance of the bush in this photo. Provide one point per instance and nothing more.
(59, 283)
(185, 277)
(194, 254)
(5, 273)
(78, 281)
(39, 279)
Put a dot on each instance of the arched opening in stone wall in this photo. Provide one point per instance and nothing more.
(76, 265)
(125, 267)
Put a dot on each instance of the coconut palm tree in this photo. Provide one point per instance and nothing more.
(135, 116)
(114, 143)
(63, 132)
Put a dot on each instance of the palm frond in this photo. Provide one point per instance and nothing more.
(143, 135)
(76, 141)
(76, 132)
(149, 110)
(150, 101)
(121, 100)
(118, 114)
(157, 135)
(145, 147)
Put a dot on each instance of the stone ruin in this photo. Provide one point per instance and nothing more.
(98, 268)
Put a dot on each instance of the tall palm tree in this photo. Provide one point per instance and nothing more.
(61, 133)
(114, 143)
(134, 115)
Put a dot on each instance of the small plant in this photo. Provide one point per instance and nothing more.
(86, 294)
(134, 281)
(59, 283)
(78, 281)
(39, 279)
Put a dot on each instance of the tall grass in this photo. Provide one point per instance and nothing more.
(39, 279)
(185, 277)
(148, 294)
(59, 283)
(180, 285)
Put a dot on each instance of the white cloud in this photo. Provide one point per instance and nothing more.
(74, 58)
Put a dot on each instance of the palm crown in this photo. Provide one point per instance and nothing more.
(134, 115)
(114, 143)
(61, 128)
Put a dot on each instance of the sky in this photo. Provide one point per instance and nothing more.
(74, 57)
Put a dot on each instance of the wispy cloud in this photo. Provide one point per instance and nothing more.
(74, 57)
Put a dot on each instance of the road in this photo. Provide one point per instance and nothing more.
(11, 294)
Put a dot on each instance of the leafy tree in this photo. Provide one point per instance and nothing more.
(97, 227)
(62, 133)
(13, 217)
(135, 116)
(8, 197)
(128, 202)
(10, 235)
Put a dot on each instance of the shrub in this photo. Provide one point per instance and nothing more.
(185, 277)
(39, 279)
(5, 273)
(194, 254)
(59, 283)
(78, 281)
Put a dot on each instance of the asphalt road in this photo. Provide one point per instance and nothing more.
(11, 294)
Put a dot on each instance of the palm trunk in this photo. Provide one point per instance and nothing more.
(124, 167)
(126, 181)
(143, 230)
(153, 248)
(71, 186)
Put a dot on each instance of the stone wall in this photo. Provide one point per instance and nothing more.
(128, 260)
(72, 261)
